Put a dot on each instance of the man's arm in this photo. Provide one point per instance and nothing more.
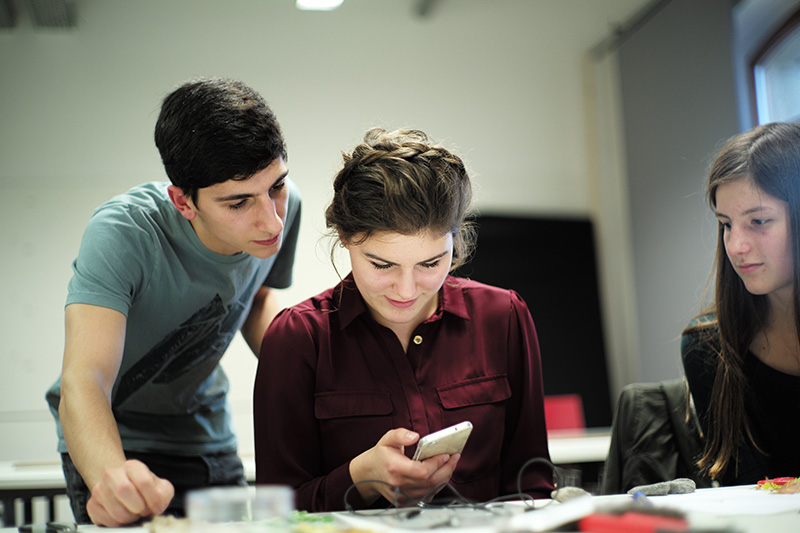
(265, 307)
(122, 491)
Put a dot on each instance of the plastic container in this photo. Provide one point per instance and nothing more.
(263, 508)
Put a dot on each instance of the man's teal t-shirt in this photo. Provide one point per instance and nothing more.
(184, 304)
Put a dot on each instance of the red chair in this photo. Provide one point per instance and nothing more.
(564, 412)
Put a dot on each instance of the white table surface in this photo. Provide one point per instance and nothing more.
(742, 509)
(589, 446)
(31, 475)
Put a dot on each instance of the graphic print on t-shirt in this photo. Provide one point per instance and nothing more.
(189, 353)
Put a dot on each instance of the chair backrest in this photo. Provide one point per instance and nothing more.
(655, 437)
(563, 412)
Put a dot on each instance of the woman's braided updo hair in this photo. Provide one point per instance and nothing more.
(401, 182)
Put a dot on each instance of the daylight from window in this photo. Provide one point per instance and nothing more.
(777, 77)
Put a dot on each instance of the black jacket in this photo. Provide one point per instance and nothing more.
(651, 440)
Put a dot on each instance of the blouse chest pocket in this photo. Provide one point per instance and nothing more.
(481, 401)
(351, 422)
(476, 391)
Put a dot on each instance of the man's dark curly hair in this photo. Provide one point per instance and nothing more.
(211, 130)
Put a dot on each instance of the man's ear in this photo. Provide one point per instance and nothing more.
(182, 201)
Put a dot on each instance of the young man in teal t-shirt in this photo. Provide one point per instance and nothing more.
(166, 274)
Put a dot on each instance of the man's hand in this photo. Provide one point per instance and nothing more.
(386, 462)
(128, 493)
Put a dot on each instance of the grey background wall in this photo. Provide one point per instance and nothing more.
(546, 127)
(679, 102)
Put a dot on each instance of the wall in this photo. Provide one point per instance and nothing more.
(502, 82)
(679, 104)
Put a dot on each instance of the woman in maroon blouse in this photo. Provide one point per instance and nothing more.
(350, 379)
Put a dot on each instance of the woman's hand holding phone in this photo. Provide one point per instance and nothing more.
(386, 462)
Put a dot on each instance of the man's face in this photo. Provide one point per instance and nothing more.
(240, 216)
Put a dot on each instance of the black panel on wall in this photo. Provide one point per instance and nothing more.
(551, 263)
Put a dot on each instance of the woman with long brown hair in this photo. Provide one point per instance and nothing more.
(742, 356)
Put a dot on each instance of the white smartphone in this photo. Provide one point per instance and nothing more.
(448, 440)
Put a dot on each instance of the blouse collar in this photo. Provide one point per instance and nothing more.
(451, 300)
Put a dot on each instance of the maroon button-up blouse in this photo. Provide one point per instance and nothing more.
(331, 381)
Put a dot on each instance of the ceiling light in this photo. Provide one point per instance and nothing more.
(318, 5)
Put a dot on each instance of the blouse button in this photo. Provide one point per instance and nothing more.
(418, 339)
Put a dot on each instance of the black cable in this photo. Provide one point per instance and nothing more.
(529, 462)
(458, 502)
